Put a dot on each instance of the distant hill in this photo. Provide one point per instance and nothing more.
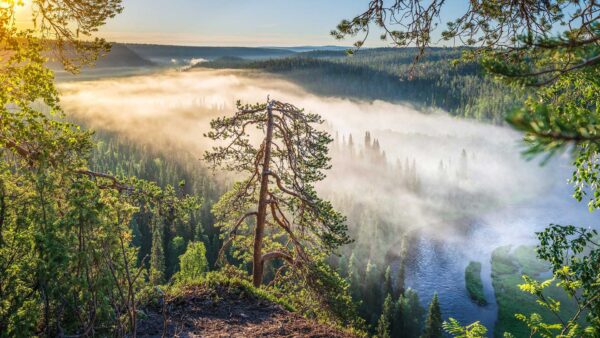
(166, 54)
(390, 74)
(120, 56)
(300, 49)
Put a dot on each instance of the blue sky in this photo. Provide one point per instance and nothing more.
(238, 22)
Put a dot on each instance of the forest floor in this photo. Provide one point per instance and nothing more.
(219, 311)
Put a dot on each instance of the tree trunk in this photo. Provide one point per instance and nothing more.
(257, 264)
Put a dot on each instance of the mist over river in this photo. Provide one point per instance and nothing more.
(476, 191)
(438, 265)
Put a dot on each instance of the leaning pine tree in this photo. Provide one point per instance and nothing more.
(275, 213)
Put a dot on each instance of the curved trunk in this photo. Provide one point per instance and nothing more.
(257, 262)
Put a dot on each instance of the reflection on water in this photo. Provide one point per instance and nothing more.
(438, 265)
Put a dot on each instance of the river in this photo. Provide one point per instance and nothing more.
(439, 265)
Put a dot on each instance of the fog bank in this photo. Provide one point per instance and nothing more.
(429, 171)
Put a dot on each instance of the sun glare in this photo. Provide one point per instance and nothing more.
(15, 4)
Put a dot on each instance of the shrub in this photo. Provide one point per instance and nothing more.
(193, 263)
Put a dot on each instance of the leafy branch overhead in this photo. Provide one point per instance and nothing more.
(514, 39)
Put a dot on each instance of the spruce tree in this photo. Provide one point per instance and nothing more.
(412, 313)
(400, 281)
(157, 255)
(372, 291)
(433, 323)
(397, 327)
(354, 277)
(388, 289)
(384, 323)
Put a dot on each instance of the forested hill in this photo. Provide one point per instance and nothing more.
(388, 74)
(163, 53)
(119, 56)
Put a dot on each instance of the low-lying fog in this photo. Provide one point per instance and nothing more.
(461, 181)
(448, 156)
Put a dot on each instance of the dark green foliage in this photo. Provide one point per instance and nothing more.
(175, 249)
(385, 320)
(372, 293)
(473, 282)
(564, 113)
(320, 292)
(412, 313)
(433, 323)
(355, 277)
(384, 74)
(397, 323)
(68, 266)
(157, 257)
(169, 167)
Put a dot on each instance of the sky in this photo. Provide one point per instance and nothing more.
(231, 22)
(239, 22)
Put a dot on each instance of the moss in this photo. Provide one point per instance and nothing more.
(474, 283)
(235, 281)
(233, 284)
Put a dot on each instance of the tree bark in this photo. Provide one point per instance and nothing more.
(257, 264)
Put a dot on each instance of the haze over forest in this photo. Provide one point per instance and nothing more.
(464, 170)
(369, 169)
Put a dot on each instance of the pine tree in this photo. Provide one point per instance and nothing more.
(433, 323)
(350, 145)
(367, 140)
(384, 323)
(276, 201)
